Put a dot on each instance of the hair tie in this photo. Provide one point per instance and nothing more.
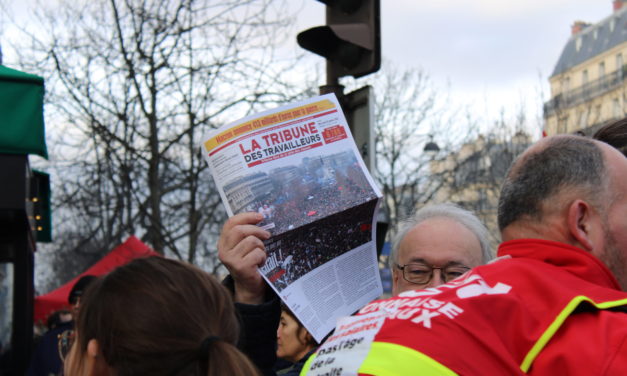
(203, 351)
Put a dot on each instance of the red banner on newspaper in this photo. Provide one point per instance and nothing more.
(277, 275)
(333, 134)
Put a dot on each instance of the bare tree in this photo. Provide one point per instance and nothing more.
(132, 86)
(409, 113)
(472, 158)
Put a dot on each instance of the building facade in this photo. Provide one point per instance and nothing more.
(247, 191)
(472, 176)
(588, 84)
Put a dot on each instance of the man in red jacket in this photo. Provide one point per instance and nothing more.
(553, 303)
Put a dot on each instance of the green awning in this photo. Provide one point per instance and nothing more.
(21, 113)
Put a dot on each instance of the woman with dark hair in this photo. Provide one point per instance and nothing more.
(156, 316)
(294, 343)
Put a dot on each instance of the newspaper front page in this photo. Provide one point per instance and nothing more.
(299, 167)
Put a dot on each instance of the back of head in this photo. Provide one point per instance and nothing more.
(79, 287)
(553, 167)
(444, 210)
(614, 134)
(156, 316)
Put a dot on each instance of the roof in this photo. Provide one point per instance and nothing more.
(607, 37)
(8, 74)
(22, 120)
(58, 299)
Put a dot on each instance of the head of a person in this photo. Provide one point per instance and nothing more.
(76, 294)
(435, 245)
(58, 318)
(614, 134)
(572, 190)
(293, 340)
(155, 316)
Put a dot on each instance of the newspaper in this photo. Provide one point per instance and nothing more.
(298, 166)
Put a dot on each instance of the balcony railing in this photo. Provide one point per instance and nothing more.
(586, 92)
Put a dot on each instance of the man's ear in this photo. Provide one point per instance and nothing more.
(584, 224)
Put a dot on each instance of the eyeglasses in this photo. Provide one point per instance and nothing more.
(64, 343)
(421, 274)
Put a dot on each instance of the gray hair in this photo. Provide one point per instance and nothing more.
(565, 163)
(448, 211)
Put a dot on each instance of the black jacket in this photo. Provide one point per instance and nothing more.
(259, 324)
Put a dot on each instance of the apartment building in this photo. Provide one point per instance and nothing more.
(588, 84)
(472, 176)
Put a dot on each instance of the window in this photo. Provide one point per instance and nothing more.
(601, 69)
(6, 302)
(619, 64)
(584, 77)
(563, 125)
(612, 24)
(566, 86)
(616, 110)
(578, 44)
(583, 119)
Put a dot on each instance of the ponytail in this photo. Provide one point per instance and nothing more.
(224, 358)
(169, 318)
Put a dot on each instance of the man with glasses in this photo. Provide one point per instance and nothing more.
(437, 244)
(555, 302)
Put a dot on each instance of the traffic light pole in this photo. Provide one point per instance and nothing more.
(17, 247)
(333, 83)
(351, 44)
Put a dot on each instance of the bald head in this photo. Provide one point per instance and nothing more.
(572, 190)
(548, 172)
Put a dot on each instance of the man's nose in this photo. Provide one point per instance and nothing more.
(436, 279)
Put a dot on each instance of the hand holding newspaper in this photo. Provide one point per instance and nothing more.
(299, 167)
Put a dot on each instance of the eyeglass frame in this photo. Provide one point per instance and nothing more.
(432, 268)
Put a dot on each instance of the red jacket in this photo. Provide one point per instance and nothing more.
(544, 308)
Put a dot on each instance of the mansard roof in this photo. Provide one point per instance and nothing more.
(593, 40)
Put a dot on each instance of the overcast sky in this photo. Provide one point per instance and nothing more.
(492, 52)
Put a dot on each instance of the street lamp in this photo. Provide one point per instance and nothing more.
(431, 147)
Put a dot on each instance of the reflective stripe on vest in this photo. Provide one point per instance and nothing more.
(390, 359)
(303, 371)
(557, 323)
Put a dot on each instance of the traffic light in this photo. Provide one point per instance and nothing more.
(351, 39)
(40, 196)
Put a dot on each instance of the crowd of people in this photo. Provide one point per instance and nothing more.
(304, 200)
(553, 302)
(299, 252)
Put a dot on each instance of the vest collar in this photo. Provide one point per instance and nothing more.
(570, 258)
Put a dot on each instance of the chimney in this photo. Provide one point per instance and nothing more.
(618, 4)
(578, 26)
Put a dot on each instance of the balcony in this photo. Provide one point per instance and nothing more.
(585, 92)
